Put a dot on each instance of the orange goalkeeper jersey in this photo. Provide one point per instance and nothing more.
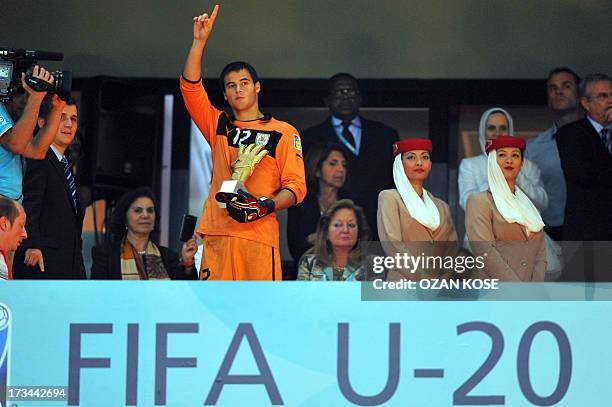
(282, 168)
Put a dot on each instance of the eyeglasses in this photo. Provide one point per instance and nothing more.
(346, 93)
(602, 96)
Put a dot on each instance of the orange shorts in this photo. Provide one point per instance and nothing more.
(233, 258)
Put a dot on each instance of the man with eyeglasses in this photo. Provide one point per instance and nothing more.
(585, 150)
(368, 144)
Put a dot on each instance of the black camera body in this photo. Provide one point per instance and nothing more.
(14, 62)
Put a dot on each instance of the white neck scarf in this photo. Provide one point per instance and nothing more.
(514, 208)
(423, 210)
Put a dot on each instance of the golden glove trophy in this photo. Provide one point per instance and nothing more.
(248, 158)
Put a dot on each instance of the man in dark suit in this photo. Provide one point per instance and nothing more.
(53, 249)
(584, 149)
(369, 144)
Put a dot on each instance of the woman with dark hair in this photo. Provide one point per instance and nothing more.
(325, 176)
(132, 255)
(503, 224)
(339, 245)
(412, 214)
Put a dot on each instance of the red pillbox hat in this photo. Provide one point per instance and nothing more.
(411, 144)
(506, 141)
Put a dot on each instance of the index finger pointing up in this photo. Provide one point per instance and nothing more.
(213, 16)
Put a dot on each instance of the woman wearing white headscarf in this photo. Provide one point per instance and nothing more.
(410, 213)
(503, 225)
(473, 170)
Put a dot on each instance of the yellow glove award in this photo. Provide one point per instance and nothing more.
(248, 158)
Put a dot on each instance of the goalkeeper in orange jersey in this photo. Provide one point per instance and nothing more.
(241, 241)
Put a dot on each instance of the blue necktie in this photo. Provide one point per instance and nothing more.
(605, 136)
(71, 182)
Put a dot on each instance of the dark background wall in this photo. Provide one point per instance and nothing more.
(309, 39)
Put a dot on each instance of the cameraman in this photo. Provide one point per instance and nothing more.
(16, 140)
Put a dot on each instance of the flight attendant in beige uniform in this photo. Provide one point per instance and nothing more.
(502, 223)
(412, 214)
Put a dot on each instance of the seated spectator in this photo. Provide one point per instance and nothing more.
(132, 255)
(473, 177)
(410, 213)
(503, 225)
(339, 249)
(12, 233)
(367, 142)
(325, 175)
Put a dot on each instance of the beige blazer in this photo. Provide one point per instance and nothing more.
(401, 233)
(511, 255)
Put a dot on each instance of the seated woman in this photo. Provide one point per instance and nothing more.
(339, 248)
(473, 170)
(132, 255)
(502, 223)
(325, 175)
(410, 213)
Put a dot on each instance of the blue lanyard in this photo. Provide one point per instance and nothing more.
(348, 145)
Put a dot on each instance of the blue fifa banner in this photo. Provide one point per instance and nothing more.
(298, 344)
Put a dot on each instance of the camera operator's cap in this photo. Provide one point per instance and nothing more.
(506, 141)
(411, 144)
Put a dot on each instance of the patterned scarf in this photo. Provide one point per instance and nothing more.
(147, 266)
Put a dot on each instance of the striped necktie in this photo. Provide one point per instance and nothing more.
(346, 133)
(605, 136)
(71, 182)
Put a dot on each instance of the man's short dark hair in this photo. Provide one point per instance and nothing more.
(340, 75)
(585, 85)
(45, 107)
(8, 208)
(564, 69)
(235, 67)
